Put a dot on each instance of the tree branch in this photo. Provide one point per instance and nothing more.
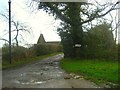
(4, 40)
(96, 15)
(56, 11)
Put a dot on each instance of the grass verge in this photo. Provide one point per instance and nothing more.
(98, 71)
(26, 61)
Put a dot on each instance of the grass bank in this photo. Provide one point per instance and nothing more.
(25, 61)
(98, 71)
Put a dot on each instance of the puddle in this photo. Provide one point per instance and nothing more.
(38, 73)
(60, 72)
(40, 82)
(46, 68)
(56, 62)
(56, 67)
(31, 82)
(58, 75)
(55, 75)
(31, 73)
(23, 74)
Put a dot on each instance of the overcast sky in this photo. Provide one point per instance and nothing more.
(40, 22)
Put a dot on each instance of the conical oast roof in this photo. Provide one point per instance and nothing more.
(41, 39)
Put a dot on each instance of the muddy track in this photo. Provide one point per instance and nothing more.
(45, 73)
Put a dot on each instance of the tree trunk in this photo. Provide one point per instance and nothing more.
(76, 28)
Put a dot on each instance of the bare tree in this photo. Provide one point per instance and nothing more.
(18, 27)
(4, 39)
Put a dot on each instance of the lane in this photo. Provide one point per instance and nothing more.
(42, 74)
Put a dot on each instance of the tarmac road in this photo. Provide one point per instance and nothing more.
(45, 73)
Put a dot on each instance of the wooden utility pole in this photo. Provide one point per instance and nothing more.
(10, 56)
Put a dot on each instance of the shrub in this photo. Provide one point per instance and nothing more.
(31, 52)
(54, 48)
(105, 54)
(100, 54)
(119, 51)
(5, 54)
(17, 53)
(41, 49)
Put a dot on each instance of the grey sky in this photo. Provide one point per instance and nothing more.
(40, 22)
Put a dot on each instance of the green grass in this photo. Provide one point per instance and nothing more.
(98, 71)
(6, 65)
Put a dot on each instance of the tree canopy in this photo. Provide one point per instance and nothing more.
(100, 37)
(73, 16)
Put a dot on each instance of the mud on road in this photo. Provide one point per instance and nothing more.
(45, 73)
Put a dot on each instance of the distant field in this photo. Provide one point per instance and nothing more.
(95, 70)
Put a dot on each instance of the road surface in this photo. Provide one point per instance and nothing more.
(45, 73)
